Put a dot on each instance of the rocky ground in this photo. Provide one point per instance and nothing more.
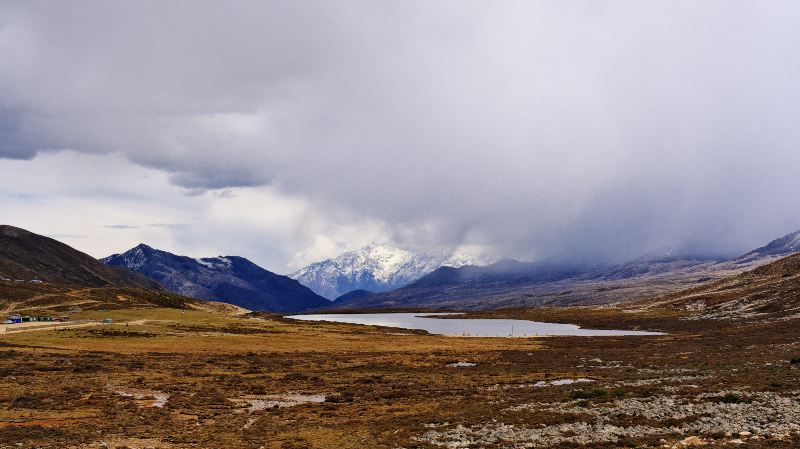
(722, 417)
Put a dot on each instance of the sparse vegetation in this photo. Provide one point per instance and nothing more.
(734, 398)
(382, 387)
(589, 394)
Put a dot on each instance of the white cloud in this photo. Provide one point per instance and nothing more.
(102, 204)
(527, 127)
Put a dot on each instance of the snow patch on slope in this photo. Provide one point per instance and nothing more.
(135, 258)
(214, 263)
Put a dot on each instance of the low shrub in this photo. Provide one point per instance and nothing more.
(733, 398)
(589, 394)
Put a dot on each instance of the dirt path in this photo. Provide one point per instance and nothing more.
(8, 308)
(11, 307)
(39, 326)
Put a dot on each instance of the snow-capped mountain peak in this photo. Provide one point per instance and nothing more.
(381, 260)
(461, 257)
(375, 268)
(136, 257)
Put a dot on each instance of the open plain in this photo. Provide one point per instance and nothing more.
(171, 378)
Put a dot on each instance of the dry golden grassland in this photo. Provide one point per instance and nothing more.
(233, 382)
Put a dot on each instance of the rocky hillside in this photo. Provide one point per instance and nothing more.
(376, 268)
(230, 279)
(771, 291)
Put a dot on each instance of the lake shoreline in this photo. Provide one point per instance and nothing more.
(468, 327)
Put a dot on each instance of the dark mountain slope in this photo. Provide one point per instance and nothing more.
(230, 279)
(355, 294)
(27, 256)
(470, 286)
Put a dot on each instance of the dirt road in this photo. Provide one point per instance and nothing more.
(37, 326)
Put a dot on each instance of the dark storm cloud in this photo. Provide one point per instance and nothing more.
(611, 127)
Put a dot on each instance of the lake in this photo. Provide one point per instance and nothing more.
(467, 327)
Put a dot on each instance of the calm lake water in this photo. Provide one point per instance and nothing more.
(466, 327)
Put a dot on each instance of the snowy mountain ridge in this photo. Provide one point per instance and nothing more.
(376, 268)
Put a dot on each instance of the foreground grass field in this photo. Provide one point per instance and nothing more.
(168, 378)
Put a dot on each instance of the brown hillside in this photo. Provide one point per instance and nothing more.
(26, 256)
(770, 291)
(41, 275)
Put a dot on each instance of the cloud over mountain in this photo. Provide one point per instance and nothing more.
(533, 128)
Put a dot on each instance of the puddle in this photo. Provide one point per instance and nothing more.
(558, 382)
(461, 364)
(263, 402)
(144, 398)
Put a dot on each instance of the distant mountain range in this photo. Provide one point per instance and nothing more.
(375, 268)
(528, 284)
(37, 270)
(231, 279)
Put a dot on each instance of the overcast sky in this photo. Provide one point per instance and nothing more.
(291, 131)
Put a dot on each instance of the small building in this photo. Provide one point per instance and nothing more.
(107, 321)
(15, 319)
